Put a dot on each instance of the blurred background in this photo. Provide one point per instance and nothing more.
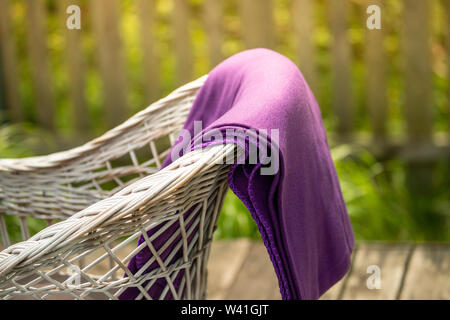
(384, 94)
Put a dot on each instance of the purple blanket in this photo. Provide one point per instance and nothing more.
(297, 202)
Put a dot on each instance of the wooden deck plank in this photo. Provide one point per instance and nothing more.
(225, 262)
(336, 291)
(390, 258)
(241, 269)
(428, 275)
(256, 279)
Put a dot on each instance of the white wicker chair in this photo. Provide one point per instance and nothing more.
(106, 194)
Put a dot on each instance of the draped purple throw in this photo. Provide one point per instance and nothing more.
(299, 210)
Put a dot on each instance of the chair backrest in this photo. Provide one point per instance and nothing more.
(53, 188)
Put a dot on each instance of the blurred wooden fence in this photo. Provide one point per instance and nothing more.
(257, 28)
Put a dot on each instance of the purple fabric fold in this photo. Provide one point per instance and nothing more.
(299, 210)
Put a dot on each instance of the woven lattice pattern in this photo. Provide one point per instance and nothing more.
(85, 254)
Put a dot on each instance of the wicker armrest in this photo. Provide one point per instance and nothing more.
(194, 184)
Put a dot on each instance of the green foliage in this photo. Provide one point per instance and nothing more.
(13, 227)
(13, 142)
(375, 201)
(380, 205)
(235, 220)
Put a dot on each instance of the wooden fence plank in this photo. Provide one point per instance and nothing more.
(9, 65)
(303, 23)
(213, 17)
(37, 49)
(417, 71)
(182, 41)
(428, 275)
(391, 261)
(257, 24)
(341, 66)
(375, 61)
(3, 104)
(446, 5)
(256, 279)
(105, 21)
(225, 262)
(147, 17)
(75, 68)
(418, 105)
